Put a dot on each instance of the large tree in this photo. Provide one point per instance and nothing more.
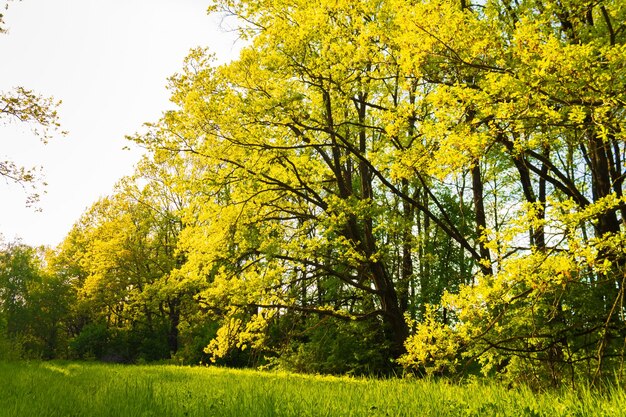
(303, 205)
(540, 86)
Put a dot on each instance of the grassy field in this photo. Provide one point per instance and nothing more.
(89, 389)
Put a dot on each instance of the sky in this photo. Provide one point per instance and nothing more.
(108, 61)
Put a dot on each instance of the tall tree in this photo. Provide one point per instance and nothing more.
(541, 85)
(298, 140)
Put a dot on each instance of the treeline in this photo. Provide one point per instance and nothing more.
(435, 184)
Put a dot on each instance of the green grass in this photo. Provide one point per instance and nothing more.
(90, 389)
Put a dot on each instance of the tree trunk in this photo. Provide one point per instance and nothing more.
(481, 222)
(174, 317)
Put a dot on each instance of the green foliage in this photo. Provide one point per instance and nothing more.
(33, 303)
(99, 341)
(91, 342)
(334, 346)
(195, 336)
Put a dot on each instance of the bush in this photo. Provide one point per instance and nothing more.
(334, 346)
(91, 342)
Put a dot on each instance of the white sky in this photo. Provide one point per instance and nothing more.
(108, 61)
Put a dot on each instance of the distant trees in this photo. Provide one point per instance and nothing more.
(123, 256)
(33, 305)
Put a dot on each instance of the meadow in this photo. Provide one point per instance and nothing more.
(92, 389)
